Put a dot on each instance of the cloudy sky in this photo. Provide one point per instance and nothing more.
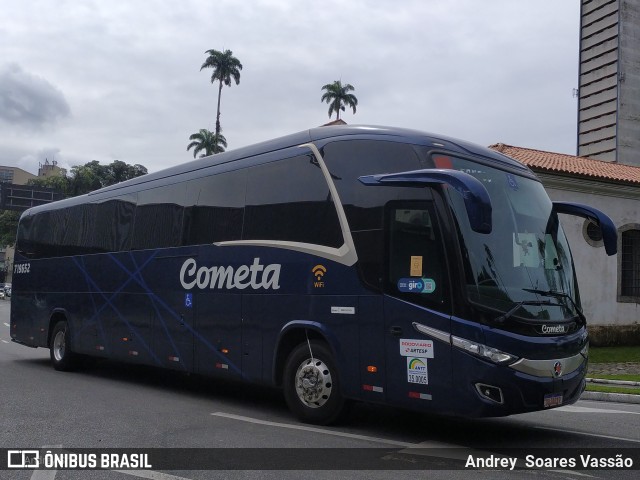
(120, 79)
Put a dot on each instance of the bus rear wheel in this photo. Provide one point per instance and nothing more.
(62, 357)
(311, 384)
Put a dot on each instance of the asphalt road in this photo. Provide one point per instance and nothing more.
(107, 405)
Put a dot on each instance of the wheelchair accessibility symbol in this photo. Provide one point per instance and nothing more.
(188, 300)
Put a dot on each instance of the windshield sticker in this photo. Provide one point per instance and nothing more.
(417, 285)
(417, 370)
(443, 162)
(414, 348)
(512, 182)
(525, 250)
(416, 266)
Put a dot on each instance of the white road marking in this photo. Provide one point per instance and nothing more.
(150, 474)
(45, 474)
(335, 433)
(575, 432)
(6, 324)
(570, 472)
(5, 341)
(578, 409)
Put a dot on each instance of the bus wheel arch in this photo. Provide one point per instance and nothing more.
(62, 357)
(290, 338)
(311, 384)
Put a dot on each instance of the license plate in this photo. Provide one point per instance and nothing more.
(552, 400)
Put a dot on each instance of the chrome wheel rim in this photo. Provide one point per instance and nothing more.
(313, 383)
(58, 346)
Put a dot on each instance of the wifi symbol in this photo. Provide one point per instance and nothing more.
(319, 271)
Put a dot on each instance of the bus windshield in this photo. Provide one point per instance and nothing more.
(523, 268)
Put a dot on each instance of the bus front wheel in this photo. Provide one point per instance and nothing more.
(311, 384)
(62, 357)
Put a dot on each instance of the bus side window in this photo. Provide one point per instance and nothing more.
(290, 200)
(158, 220)
(215, 208)
(416, 266)
(110, 236)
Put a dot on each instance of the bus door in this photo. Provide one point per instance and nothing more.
(418, 367)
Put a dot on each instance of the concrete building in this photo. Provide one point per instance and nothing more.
(50, 169)
(10, 178)
(609, 286)
(609, 83)
(14, 175)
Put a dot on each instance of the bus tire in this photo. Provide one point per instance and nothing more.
(311, 384)
(62, 357)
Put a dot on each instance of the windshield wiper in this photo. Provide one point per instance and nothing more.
(554, 293)
(517, 306)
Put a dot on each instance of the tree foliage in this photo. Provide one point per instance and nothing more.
(207, 142)
(90, 176)
(82, 179)
(225, 67)
(8, 226)
(338, 97)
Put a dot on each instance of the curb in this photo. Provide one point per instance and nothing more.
(611, 397)
(613, 382)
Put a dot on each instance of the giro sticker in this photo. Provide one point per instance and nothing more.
(417, 285)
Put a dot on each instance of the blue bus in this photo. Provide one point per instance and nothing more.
(340, 263)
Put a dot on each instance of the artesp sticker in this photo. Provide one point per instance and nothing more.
(416, 348)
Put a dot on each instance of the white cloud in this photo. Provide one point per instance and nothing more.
(130, 71)
(28, 101)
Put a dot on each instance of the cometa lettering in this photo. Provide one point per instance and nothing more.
(255, 276)
(553, 329)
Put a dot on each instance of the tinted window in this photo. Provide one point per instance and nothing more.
(158, 221)
(112, 225)
(349, 159)
(416, 269)
(36, 233)
(80, 229)
(215, 208)
(290, 200)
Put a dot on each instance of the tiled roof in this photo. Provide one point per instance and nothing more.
(339, 121)
(569, 164)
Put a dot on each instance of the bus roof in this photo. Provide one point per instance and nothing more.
(316, 134)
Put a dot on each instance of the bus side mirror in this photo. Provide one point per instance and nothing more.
(609, 232)
(476, 198)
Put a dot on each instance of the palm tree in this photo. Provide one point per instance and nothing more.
(225, 66)
(208, 142)
(338, 97)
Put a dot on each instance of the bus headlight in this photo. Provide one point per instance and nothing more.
(482, 351)
(477, 349)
